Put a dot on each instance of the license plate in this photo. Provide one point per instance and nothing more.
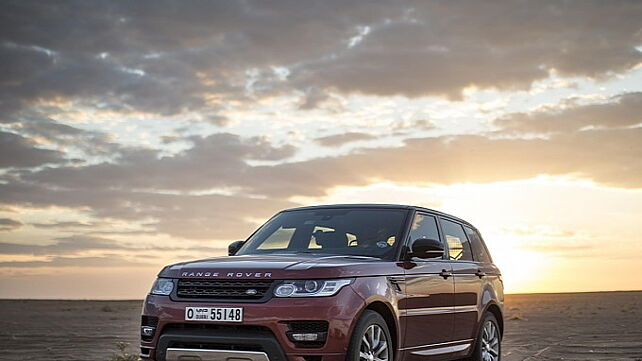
(214, 314)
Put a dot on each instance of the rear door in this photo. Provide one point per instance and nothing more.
(428, 305)
(467, 276)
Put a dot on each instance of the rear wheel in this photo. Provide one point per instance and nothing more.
(370, 339)
(489, 340)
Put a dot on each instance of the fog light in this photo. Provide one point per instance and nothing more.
(307, 336)
(147, 331)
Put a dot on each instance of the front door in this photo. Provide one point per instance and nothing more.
(428, 305)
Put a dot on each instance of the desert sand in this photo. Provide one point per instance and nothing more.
(580, 326)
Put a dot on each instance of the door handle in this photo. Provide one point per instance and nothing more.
(480, 273)
(445, 274)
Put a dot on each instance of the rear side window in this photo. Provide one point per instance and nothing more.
(479, 249)
(458, 245)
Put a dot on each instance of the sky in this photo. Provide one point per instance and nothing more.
(135, 134)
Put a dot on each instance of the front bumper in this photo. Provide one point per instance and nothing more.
(264, 325)
(180, 354)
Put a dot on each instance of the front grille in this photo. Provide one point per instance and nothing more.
(223, 289)
(213, 329)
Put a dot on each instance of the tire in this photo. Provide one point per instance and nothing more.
(488, 346)
(370, 327)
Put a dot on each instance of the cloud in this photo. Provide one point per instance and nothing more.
(441, 48)
(63, 246)
(341, 139)
(621, 111)
(171, 58)
(572, 248)
(130, 188)
(417, 124)
(609, 157)
(65, 136)
(205, 217)
(8, 224)
(123, 190)
(64, 225)
(132, 59)
(107, 261)
(211, 162)
(160, 59)
(77, 244)
(20, 152)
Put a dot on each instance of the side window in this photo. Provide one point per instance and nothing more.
(424, 226)
(458, 245)
(479, 249)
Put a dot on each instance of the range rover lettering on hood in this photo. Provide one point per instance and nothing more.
(228, 274)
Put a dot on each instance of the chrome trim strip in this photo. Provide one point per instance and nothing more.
(180, 354)
(442, 350)
(437, 344)
(437, 310)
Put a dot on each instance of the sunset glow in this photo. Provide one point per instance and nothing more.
(134, 139)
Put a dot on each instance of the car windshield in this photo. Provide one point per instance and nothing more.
(337, 231)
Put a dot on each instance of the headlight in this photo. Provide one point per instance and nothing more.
(310, 288)
(162, 286)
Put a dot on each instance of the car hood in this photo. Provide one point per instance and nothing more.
(281, 267)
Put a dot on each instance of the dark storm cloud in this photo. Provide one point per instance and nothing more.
(20, 152)
(8, 225)
(341, 139)
(621, 111)
(169, 56)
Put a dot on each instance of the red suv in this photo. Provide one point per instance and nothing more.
(333, 283)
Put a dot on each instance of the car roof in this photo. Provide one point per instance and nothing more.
(381, 206)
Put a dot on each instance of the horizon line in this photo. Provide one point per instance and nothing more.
(142, 299)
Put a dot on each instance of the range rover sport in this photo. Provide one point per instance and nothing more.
(333, 283)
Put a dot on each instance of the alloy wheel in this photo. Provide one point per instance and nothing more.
(490, 342)
(374, 345)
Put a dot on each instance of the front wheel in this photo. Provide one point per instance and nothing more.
(489, 340)
(370, 339)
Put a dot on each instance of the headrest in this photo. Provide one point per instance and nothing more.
(331, 239)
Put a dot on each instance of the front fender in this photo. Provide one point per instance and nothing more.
(381, 296)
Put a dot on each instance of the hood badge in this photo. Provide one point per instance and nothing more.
(251, 292)
(228, 274)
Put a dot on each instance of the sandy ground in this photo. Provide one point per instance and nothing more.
(588, 326)
(580, 326)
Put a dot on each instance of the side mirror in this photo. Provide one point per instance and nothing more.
(234, 247)
(426, 248)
